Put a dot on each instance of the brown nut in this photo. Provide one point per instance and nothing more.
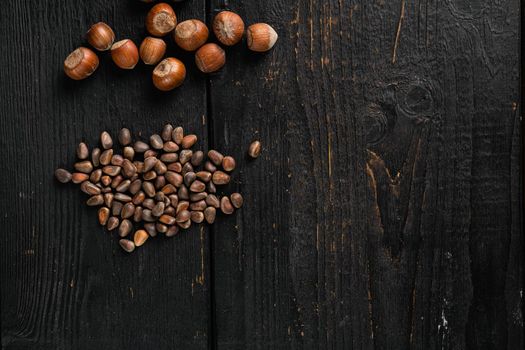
(191, 34)
(63, 175)
(161, 19)
(210, 214)
(103, 216)
(228, 163)
(261, 37)
(100, 36)
(169, 74)
(197, 216)
(236, 200)
(140, 237)
(106, 140)
(226, 206)
(228, 28)
(166, 132)
(189, 140)
(78, 178)
(152, 50)
(255, 149)
(177, 135)
(81, 63)
(210, 58)
(125, 54)
(127, 245)
(172, 231)
(216, 157)
(84, 166)
(124, 136)
(220, 178)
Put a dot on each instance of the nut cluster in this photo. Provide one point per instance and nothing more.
(190, 35)
(160, 186)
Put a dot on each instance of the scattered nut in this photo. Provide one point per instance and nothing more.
(100, 36)
(228, 28)
(191, 34)
(261, 37)
(152, 50)
(81, 63)
(255, 149)
(169, 74)
(210, 58)
(125, 54)
(161, 20)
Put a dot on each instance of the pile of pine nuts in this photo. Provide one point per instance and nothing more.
(160, 186)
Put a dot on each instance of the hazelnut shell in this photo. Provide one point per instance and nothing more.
(100, 36)
(191, 34)
(161, 19)
(210, 58)
(152, 50)
(125, 54)
(81, 63)
(228, 28)
(261, 37)
(169, 74)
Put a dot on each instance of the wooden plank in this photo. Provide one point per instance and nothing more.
(66, 284)
(384, 212)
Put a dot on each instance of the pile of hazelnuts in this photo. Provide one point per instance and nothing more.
(191, 35)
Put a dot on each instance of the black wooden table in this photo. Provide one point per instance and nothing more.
(384, 212)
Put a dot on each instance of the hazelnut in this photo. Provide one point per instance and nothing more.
(161, 19)
(81, 63)
(169, 74)
(152, 50)
(100, 36)
(261, 37)
(191, 34)
(228, 28)
(125, 54)
(210, 58)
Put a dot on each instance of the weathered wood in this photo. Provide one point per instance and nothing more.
(384, 212)
(66, 284)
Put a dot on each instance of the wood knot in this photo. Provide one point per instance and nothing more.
(471, 9)
(375, 123)
(418, 100)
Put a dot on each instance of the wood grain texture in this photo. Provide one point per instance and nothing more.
(66, 284)
(384, 212)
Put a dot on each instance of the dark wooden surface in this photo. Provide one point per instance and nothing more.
(384, 212)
